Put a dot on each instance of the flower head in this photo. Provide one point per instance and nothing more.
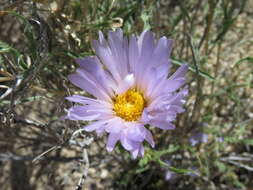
(169, 175)
(198, 138)
(128, 81)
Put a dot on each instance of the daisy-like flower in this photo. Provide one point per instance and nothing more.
(130, 88)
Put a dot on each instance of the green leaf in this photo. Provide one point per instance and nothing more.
(4, 48)
(245, 59)
(192, 68)
(180, 170)
(172, 148)
(248, 141)
(146, 17)
(1, 60)
(174, 169)
(142, 169)
(221, 166)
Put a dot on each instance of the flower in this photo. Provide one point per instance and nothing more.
(198, 138)
(169, 175)
(220, 139)
(128, 81)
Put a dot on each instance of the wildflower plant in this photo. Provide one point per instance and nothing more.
(130, 88)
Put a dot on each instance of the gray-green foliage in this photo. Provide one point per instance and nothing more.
(219, 102)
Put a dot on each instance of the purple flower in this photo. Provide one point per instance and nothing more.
(198, 138)
(220, 139)
(128, 81)
(169, 175)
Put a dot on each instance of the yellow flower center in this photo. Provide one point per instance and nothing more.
(129, 106)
